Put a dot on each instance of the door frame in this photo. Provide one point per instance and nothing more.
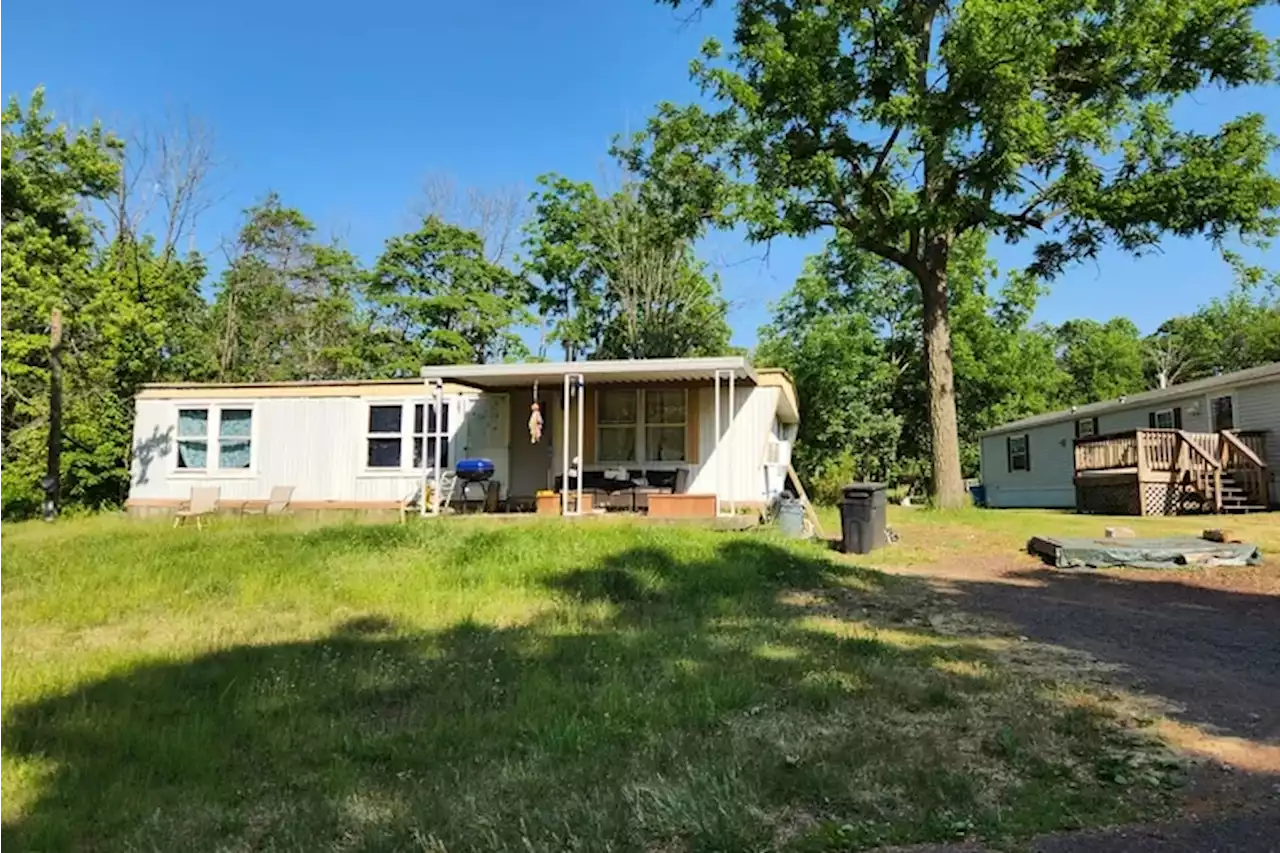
(1213, 420)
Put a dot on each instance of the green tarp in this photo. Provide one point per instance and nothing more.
(1142, 553)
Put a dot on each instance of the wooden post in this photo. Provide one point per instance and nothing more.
(53, 465)
(1141, 450)
(1223, 455)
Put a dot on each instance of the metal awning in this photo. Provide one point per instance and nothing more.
(722, 372)
(495, 376)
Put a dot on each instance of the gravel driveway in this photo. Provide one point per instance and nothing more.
(1210, 655)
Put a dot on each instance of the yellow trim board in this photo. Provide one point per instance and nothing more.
(264, 390)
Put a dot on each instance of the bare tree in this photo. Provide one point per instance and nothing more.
(1169, 359)
(166, 175)
(495, 214)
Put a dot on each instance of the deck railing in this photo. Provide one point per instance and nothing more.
(1104, 452)
(1243, 455)
(1202, 458)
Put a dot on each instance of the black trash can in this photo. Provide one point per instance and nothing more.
(863, 519)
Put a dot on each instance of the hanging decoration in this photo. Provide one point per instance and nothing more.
(535, 418)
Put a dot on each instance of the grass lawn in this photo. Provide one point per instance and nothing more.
(531, 685)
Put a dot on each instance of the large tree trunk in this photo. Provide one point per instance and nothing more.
(53, 464)
(948, 485)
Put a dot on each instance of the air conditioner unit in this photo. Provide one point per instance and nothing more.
(777, 453)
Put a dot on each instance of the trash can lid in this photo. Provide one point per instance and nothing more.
(865, 487)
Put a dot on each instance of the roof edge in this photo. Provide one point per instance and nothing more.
(1239, 379)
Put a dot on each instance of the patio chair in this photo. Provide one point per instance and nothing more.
(277, 503)
(203, 501)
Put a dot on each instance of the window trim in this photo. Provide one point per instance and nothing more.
(636, 426)
(1025, 452)
(368, 434)
(447, 413)
(642, 450)
(641, 426)
(213, 437)
(407, 434)
(1155, 418)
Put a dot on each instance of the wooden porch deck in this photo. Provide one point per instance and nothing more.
(1172, 472)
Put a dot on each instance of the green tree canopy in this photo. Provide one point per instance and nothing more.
(827, 333)
(908, 124)
(849, 332)
(286, 305)
(445, 301)
(1234, 332)
(1103, 360)
(48, 175)
(618, 276)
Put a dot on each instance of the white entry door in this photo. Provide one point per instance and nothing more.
(484, 433)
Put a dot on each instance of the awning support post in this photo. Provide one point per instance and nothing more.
(573, 389)
(724, 485)
(436, 386)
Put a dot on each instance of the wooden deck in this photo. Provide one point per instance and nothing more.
(1171, 472)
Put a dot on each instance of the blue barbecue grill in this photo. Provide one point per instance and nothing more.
(474, 471)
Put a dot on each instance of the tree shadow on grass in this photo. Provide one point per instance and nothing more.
(1214, 653)
(719, 703)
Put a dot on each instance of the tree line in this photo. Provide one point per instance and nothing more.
(910, 132)
(911, 127)
(94, 229)
(848, 331)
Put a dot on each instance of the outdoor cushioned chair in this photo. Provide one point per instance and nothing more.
(204, 501)
(277, 504)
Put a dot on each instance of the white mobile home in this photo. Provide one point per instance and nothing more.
(711, 428)
(1230, 424)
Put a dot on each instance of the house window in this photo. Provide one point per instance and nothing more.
(617, 425)
(193, 439)
(385, 440)
(1086, 427)
(1163, 419)
(426, 416)
(1019, 453)
(389, 434)
(235, 442)
(665, 417)
(213, 438)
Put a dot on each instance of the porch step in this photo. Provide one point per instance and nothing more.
(1243, 508)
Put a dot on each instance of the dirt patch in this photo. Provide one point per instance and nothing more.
(1196, 652)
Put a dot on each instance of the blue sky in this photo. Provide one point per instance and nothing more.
(344, 109)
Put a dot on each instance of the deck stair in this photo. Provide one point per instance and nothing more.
(1172, 472)
(1235, 499)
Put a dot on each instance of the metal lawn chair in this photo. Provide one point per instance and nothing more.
(277, 503)
(204, 501)
(448, 484)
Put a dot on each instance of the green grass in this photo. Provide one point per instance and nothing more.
(541, 685)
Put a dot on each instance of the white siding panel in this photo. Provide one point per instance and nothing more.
(1049, 483)
(1195, 416)
(734, 467)
(315, 444)
(318, 446)
(1258, 407)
